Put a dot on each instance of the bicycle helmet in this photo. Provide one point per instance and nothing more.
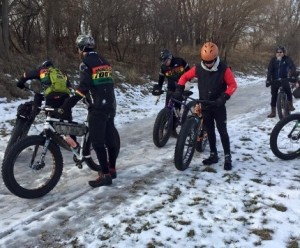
(209, 51)
(165, 55)
(46, 64)
(280, 48)
(84, 42)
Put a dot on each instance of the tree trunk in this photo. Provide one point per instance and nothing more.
(4, 39)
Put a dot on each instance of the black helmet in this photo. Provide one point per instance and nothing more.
(46, 64)
(280, 48)
(84, 42)
(164, 55)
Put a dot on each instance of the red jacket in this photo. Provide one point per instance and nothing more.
(228, 79)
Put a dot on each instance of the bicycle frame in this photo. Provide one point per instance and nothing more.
(164, 125)
(50, 133)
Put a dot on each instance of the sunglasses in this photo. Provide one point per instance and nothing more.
(166, 60)
(279, 52)
(208, 62)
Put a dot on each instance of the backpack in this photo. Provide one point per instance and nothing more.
(58, 82)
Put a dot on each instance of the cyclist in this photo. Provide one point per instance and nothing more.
(53, 97)
(171, 68)
(216, 83)
(96, 84)
(280, 66)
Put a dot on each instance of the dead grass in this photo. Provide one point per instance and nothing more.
(134, 70)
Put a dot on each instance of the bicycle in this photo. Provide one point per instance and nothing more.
(26, 115)
(164, 122)
(285, 138)
(34, 165)
(192, 137)
(282, 104)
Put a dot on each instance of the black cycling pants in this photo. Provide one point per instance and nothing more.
(216, 115)
(274, 92)
(102, 132)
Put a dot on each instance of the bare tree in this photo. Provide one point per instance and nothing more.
(4, 32)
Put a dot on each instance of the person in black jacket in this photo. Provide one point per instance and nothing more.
(171, 68)
(96, 84)
(281, 66)
(216, 83)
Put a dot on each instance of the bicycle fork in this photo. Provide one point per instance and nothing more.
(41, 163)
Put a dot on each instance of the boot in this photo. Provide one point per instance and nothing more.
(227, 163)
(113, 173)
(273, 113)
(291, 106)
(212, 159)
(102, 180)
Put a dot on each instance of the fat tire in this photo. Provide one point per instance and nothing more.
(19, 131)
(189, 127)
(186, 110)
(91, 163)
(164, 117)
(282, 106)
(8, 168)
(274, 138)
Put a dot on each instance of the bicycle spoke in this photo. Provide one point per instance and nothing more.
(31, 170)
(289, 138)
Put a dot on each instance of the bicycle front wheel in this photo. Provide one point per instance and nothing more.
(19, 131)
(27, 172)
(185, 145)
(162, 127)
(285, 138)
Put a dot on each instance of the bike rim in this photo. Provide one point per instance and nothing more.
(288, 140)
(30, 172)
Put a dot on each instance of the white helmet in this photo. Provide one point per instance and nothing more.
(85, 41)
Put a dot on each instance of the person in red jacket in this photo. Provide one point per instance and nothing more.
(216, 83)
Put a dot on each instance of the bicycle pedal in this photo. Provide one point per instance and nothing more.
(79, 165)
(75, 159)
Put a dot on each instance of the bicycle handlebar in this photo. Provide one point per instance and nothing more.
(290, 79)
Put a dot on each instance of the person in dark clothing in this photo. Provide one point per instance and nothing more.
(215, 83)
(96, 84)
(54, 98)
(171, 68)
(280, 66)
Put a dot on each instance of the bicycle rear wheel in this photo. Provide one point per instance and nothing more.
(162, 127)
(285, 138)
(92, 162)
(283, 109)
(185, 145)
(24, 171)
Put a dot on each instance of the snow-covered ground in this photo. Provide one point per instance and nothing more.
(151, 204)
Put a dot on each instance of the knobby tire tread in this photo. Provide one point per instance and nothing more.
(19, 131)
(179, 157)
(274, 138)
(164, 115)
(8, 168)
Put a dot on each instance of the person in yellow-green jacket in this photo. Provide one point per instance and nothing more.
(54, 82)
